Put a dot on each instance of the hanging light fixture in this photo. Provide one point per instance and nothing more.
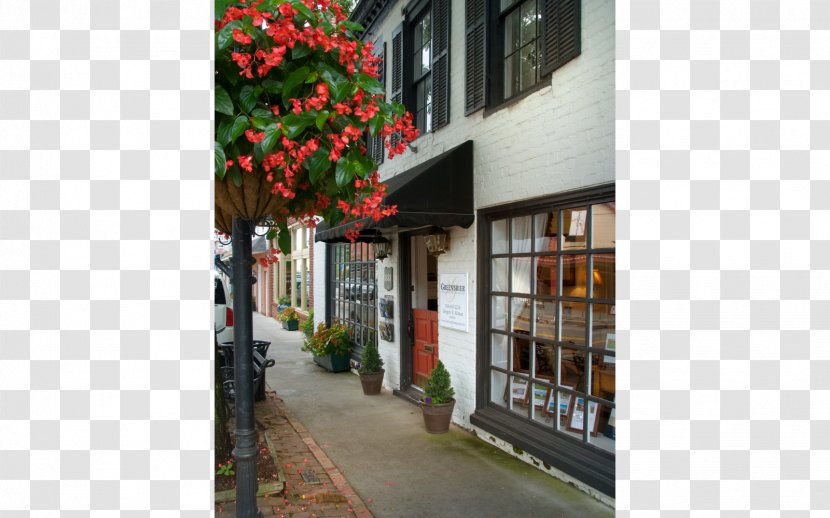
(437, 241)
(382, 248)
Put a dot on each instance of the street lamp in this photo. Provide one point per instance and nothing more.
(381, 247)
(437, 241)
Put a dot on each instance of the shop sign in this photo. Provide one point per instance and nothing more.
(453, 297)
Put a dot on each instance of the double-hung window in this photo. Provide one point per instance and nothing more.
(420, 63)
(514, 45)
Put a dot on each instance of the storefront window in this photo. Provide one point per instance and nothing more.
(353, 290)
(552, 349)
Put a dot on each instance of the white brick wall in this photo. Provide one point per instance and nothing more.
(557, 139)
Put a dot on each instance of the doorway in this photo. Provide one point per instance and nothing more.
(423, 302)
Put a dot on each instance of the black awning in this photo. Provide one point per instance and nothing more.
(437, 192)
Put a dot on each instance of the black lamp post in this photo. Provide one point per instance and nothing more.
(246, 449)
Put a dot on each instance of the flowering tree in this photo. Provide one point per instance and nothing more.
(296, 95)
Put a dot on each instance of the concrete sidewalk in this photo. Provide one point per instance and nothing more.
(380, 446)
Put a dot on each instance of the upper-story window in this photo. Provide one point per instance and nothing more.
(421, 63)
(527, 41)
(421, 72)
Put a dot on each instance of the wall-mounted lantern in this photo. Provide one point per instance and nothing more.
(437, 241)
(381, 247)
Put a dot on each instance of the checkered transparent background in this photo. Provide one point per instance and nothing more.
(105, 221)
(723, 132)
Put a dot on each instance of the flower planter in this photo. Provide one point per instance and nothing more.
(372, 382)
(291, 325)
(333, 362)
(437, 417)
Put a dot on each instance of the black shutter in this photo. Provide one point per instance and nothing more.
(397, 71)
(475, 29)
(561, 40)
(440, 63)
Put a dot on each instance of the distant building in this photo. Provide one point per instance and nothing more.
(515, 167)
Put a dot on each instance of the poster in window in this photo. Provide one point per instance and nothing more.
(576, 417)
(518, 389)
(564, 402)
(540, 395)
(610, 345)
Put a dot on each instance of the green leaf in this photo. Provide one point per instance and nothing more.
(258, 152)
(317, 164)
(352, 26)
(240, 124)
(284, 240)
(342, 173)
(312, 77)
(294, 125)
(369, 83)
(261, 123)
(300, 51)
(223, 101)
(292, 83)
(223, 132)
(322, 117)
(376, 124)
(220, 160)
(225, 35)
(304, 11)
(271, 135)
(271, 234)
(338, 84)
(236, 176)
(247, 98)
(271, 86)
(261, 112)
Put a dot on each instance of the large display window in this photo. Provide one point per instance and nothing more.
(547, 331)
(353, 299)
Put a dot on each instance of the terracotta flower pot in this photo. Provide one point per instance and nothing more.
(437, 417)
(372, 382)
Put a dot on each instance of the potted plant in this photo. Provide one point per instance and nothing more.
(290, 319)
(307, 326)
(438, 402)
(283, 302)
(330, 347)
(371, 369)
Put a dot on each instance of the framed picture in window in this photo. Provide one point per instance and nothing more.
(576, 416)
(540, 396)
(564, 402)
(518, 390)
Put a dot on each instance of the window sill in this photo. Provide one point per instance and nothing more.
(542, 84)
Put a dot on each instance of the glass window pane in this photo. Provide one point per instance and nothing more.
(498, 388)
(499, 275)
(528, 21)
(498, 351)
(561, 406)
(574, 275)
(506, 3)
(512, 79)
(428, 102)
(573, 228)
(546, 275)
(519, 395)
(521, 274)
(572, 368)
(528, 65)
(545, 319)
(521, 354)
(538, 397)
(546, 231)
(603, 325)
(606, 430)
(520, 313)
(545, 362)
(417, 63)
(604, 276)
(499, 313)
(498, 238)
(603, 222)
(512, 32)
(521, 235)
(426, 59)
(573, 322)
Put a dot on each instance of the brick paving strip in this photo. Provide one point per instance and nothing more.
(295, 451)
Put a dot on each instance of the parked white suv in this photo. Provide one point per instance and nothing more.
(222, 311)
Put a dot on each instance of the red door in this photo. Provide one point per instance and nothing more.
(425, 354)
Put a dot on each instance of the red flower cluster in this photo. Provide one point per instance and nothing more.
(340, 133)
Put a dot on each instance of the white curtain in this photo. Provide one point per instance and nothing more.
(520, 273)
